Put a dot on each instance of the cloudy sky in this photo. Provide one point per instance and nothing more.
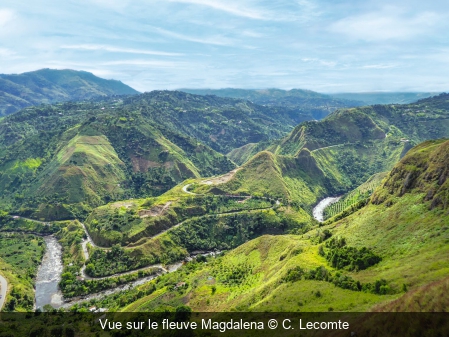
(322, 45)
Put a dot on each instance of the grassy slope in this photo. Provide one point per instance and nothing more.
(417, 122)
(106, 157)
(349, 150)
(347, 147)
(408, 229)
(260, 265)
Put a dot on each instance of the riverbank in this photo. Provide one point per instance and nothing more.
(318, 210)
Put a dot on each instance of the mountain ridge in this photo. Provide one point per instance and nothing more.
(18, 91)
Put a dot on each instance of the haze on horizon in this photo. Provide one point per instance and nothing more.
(325, 46)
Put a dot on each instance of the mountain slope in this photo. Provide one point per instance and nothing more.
(410, 124)
(221, 123)
(317, 159)
(59, 161)
(307, 102)
(49, 85)
(404, 237)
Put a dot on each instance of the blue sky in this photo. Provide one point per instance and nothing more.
(326, 46)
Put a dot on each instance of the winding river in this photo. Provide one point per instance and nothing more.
(49, 275)
(318, 210)
(50, 270)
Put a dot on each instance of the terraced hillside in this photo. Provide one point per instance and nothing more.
(379, 258)
(354, 198)
(50, 85)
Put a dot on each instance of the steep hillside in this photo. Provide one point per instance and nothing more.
(410, 124)
(221, 123)
(64, 159)
(341, 127)
(385, 256)
(307, 102)
(423, 170)
(317, 159)
(296, 180)
(50, 85)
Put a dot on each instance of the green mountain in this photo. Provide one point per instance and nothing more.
(221, 123)
(58, 161)
(407, 123)
(50, 85)
(63, 159)
(338, 153)
(370, 98)
(310, 103)
(384, 256)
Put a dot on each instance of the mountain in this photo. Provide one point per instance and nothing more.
(407, 123)
(370, 98)
(381, 257)
(58, 161)
(221, 123)
(50, 85)
(338, 153)
(308, 102)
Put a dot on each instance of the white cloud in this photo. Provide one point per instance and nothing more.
(388, 24)
(118, 50)
(319, 62)
(6, 16)
(4, 52)
(228, 7)
(379, 66)
(148, 63)
(216, 40)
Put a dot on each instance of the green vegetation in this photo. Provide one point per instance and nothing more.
(133, 170)
(396, 243)
(72, 286)
(210, 232)
(129, 221)
(305, 104)
(12, 224)
(257, 276)
(49, 85)
(20, 258)
(354, 198)
(60, 161)
(340, 256)
(370, 98)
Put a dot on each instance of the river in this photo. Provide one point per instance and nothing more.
(49, 275)
(318, 210)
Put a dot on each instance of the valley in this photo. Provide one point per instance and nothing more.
(166, 199)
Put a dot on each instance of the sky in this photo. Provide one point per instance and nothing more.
(326, 46)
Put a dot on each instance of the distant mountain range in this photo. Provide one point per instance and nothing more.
(313, 103)
(370, 98)
(50, 86)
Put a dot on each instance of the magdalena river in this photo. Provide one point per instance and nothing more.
(318, 210)
(49, 275)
